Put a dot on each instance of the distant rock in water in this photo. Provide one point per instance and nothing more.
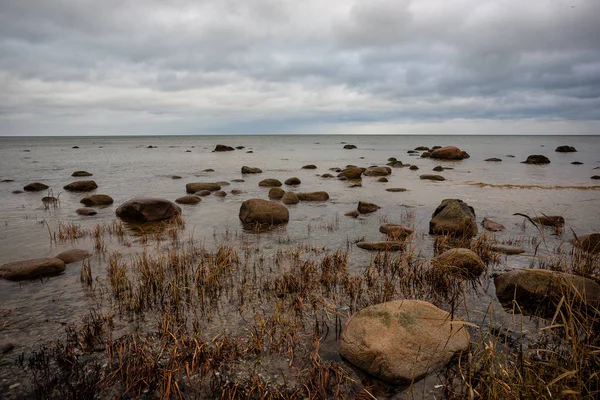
(202, 193)
(276, 193)
(313, 196)
(395, 190)
(422, 148)
(508, 250)
(251, 170)
(382, 179)
(175, 177)
(577, 163)
(239, 147)
(263, 212)
(509, 156)
(537, 159)
(378, 171)
(86, 211)
(290, 198)
(147, 209)
(449, 153)
(75, 147)
(595, 177)
(413, 168)
(550, 220)
(310, 166)
(189, 199)
(220, 193)
(270, 182)
(352, 213)
(349, 147)
(222, 147)
(31, 269)
(194, 187)
(367, 208)
(81, 173)
(292, 181)
(351, 173)
(97, 200)
(381, 246)
(35, 187)
(438, 168)
(493, 159)
(565, 149)
(81, 186)
(395, 231)
(431, 177)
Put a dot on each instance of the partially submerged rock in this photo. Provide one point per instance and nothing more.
(270, 182)
(97, 200)
(432, 177)
(589, 243)
(220, 193)
(310, 166)
(189, 199)
(565, 149)
(313, 196)
(395, 231)
(395, 190)
(537, 159)
(81, 186)
(492, 226)
(349, 147)
(31, 269)
(293, 181)
(73, 255)
(381, 246)
(537, 292)
(351, 173)
(147, 209)
(81, 173)
(378, 171)
(276, 193)
(366, 208)
(352, 213)
(290, 198)
(35, 187)
(453, 217)
(86, 211)
(550, 220)
(493, 159)
(263, 212)
(203, 193)
(462, 262)
(251, 170)
(449, 153)
(222, 147)
(505, 249)
(199, 186)
(401, 341)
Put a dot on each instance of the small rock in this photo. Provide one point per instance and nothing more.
(395, 190)
(353, 213)
(35, 187)
(382, 179)
(350, 147)
(147, 209)
(493, 159)
(577, 163)
(449, 153)
(432, 177)
(238, 180)
(175, 177)
(508, 250)
(81, 173)
(73, 255)
(239, 147)
(237, 191)
(86, 211)
(17, 192)
(463, 262)
(397, 232)
(395, 164)
(366, 208)
(81, 186)
(595, 177)
(453, 217)
(220, 193)
(251, 170)
(198, 186)
(269, 183)
(222, 147)
(537, 159)
(311, 166)
(97, 200)
(313, 196)
(202, 193)
(351, 173)
(263, 212)
(190, 199)
(492, 226)
(422, 148)
(276, 193)
(31, 269)
(292, 181)
(413, 168)
(377, 171)
(565, 149)
(381, 246)
(327, 176)
(208, 170)
(439, 168)
(290, 198)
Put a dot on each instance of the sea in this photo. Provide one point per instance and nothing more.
(35, 312)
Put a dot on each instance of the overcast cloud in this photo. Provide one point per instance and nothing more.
(77, 67)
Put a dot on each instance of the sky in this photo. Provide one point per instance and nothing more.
(159, 67)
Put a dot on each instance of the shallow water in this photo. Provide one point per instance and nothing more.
(35, 312)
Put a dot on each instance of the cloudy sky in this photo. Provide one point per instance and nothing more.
(110, 67)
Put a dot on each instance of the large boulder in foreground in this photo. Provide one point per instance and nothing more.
(453, 217)
(537, 159)
(402, 341)
(449, 153)
(200, 186)
(589, 243)
(461, 262)
(35, 187)
(538, 292)
(263, 212)
(147, 209)
(81, 186)
(31, 269)
(97, 200)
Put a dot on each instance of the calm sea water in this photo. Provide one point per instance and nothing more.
(124, 167)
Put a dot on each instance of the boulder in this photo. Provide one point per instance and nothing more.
(565, 149)
(401, 341)
(263, 212)
(290, 198)
(203, 193)
(453, 217)
(493, 159)
(492, 226)
(505, 249)
(35, 187)
(292, 181)
(147, 209)
(81, 173)
(378, 171)
(395, 190)
(313, 196)
(310, 166)
(589, 243)
(189, 199)
(462, 262)
(351, 173)
(395, 231)
(538, 292)
(31, 269)
(366, 208)
(449, 153)
(198, 186)
(222, 147)
(349, 147)
(381, 246)
(270, 182)
(431, 177)
(251, 170)
(537, 159)
(81, 186)
(276, 193)
(86, 211)
(550, 220)
(73, 255)
(97, 200)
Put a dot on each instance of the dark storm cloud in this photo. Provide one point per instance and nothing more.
(254, 65)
